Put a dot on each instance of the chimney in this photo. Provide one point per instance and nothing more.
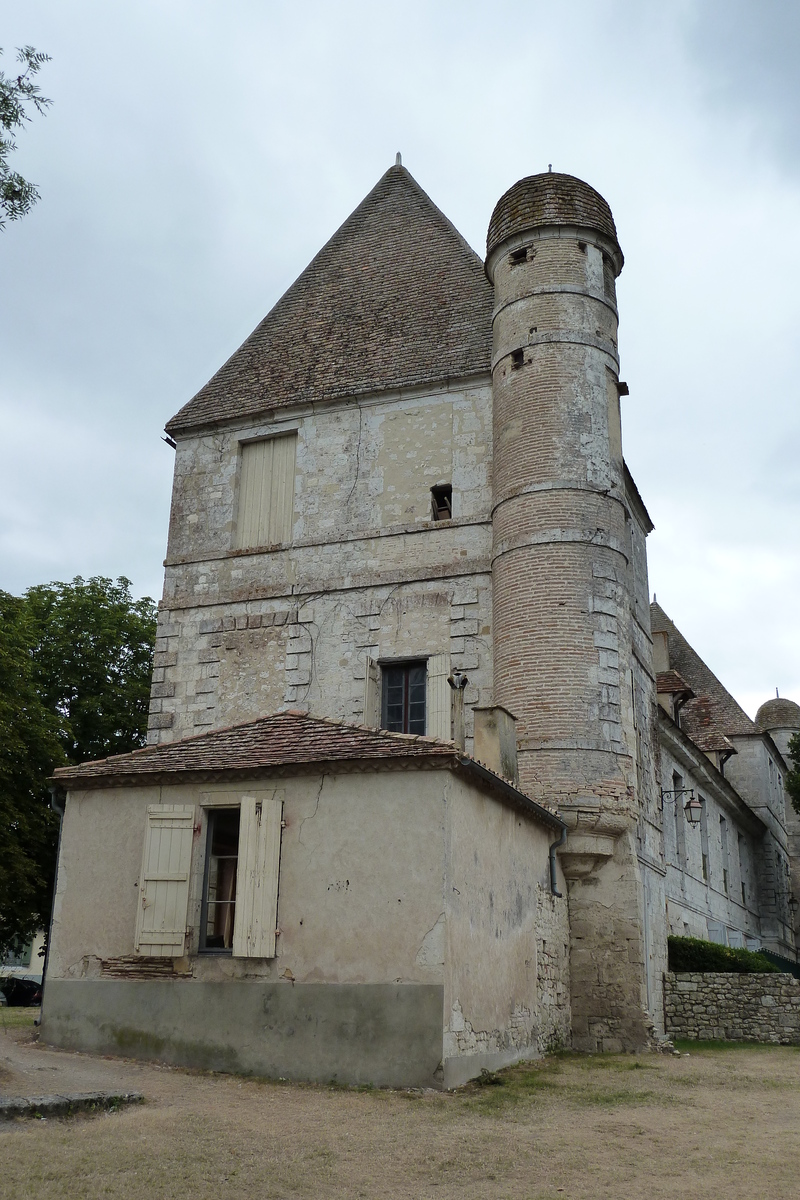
(495, 742)
(660, 653)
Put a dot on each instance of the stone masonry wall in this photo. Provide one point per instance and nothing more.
(733, 1008)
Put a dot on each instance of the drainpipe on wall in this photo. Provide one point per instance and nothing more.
(553, 847)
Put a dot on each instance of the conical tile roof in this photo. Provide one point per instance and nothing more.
(395, 299)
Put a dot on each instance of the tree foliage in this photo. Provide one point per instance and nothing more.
(29, 750)
(75, 664)
(92, 662)
(18, 94)
(793, 777)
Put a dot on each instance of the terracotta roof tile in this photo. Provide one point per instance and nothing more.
(395, 299)
(671, 681)
(282, 739)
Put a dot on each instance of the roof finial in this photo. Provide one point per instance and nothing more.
(777, 694)
(398, 162)
(549, 166)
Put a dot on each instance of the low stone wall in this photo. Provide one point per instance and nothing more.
(722, 1006)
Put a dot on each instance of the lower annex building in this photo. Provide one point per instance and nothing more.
(429, 782)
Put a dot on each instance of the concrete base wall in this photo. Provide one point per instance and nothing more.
(383, 1034)
(722, 1006)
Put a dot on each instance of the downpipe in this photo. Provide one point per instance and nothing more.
(553, 878)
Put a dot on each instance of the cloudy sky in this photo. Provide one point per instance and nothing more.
(198, 154)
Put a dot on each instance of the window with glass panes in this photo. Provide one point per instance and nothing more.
(403, 694)
(219, 891)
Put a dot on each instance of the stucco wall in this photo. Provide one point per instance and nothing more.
(506, 938)
(733, 1008)
(362, 865)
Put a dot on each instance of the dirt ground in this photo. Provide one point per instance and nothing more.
(714, 1123)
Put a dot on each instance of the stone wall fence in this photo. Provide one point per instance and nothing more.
(724, 1006)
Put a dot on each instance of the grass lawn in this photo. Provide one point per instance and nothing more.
(705, 1125)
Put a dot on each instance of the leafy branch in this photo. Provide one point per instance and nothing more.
(18, 96)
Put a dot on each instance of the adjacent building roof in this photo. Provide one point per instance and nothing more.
(282, 739)
(395, 299)
(287, 741)
(550, 199)
(713, 715)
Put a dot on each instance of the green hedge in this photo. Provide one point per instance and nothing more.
(693, 954)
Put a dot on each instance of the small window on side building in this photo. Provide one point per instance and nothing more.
(442, 502)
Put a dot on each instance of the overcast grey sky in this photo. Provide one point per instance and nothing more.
(198, 154)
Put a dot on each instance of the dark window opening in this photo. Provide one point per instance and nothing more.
(517, 359)
(403, 697)
(517, 257)
(442, 502)
(219, 882)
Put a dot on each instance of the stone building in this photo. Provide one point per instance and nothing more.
(402, 505)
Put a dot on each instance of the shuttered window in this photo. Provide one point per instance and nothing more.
(260, 825)
(164, 881)
(266, 492)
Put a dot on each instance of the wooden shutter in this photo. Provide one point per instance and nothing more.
(257, 877)
(266, 491)
(372, 694)
(437, 698)
(164, 881)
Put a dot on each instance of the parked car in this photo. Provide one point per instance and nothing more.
(21, 991)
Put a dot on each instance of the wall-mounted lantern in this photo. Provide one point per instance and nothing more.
(693, 807)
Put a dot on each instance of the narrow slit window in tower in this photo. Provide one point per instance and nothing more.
(517, 359)
(442, 502)
(517, 257)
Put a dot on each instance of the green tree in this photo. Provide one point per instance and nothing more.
(29, 750)
(75, 664)
(92, 663)
(793, 777)
(18, 94)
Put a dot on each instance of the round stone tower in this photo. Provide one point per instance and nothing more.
(560, 547)
(563, 585)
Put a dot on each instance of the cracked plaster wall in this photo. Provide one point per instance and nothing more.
(360, 891)
(507, 962)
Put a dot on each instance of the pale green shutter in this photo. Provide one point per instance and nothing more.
(257, 877)
(164, 881)
(266, 492)
(372, 694)
(437, 698)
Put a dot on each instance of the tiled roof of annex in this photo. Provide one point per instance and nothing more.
(712, 715)
(288, 738)
(395, 299)
(286, 741)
